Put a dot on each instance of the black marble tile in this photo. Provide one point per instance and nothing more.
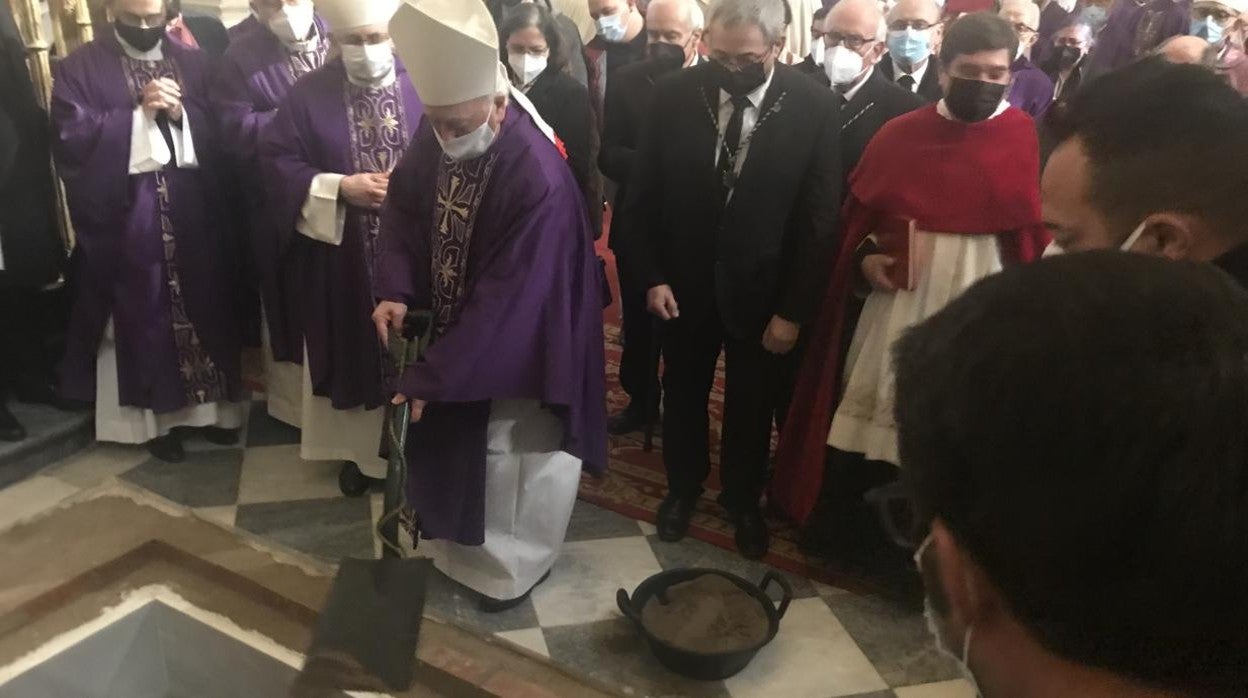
(893, 638)
(263, 430)
(590, 522)
(449, 601)
(695, 553)
(613, 653)
(332, 528)
(204, 479)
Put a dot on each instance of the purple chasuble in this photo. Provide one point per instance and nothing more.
(1135, 28)
(1030, 88)
(329, 125)
(149, 246)
(499, 249)
(254, 76)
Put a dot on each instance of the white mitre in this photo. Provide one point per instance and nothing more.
(345, 15)
(450, 49)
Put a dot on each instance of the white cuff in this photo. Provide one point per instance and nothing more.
(148, 150)
(323, 216)
(183, 143)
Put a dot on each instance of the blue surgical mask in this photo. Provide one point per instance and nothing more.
(1207, 29)
(1094, 16)
(909, 46)
(612, 27)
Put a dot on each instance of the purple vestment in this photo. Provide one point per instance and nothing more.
(328, 125)
(255, 74)
(243, 28)
(499, 249)
(149, 246)
(1134, 29)
(1030, 89)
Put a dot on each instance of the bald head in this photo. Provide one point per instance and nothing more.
(1192, 50)
(910, 10)
(686, 13)
(856, 18)
(1021, 12)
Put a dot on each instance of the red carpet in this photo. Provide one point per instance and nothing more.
(636, 482)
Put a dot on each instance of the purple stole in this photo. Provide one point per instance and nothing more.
(461, 186)
(378, 126)
(203, 381)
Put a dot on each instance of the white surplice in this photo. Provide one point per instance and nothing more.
(530, 488)
(332, 434)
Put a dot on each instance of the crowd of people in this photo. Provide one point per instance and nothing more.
(855, 222)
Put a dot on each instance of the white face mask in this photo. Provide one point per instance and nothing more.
(527, 66)
(843, 65)
(933, 627)
(612, 27)
(470, 146)
(292, 23)
(368, 63)
(1066, 5)
(818, 52)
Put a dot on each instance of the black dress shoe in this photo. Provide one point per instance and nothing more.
(219, 436)
(489, 605)
(352, 482)
(752, 537)
(673, 519)
(10, 428)
(167, 448)
(630, 421)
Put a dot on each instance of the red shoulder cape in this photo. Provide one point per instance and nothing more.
(950, 177)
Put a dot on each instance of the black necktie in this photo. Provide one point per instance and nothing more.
(732, 142)
(906, 81)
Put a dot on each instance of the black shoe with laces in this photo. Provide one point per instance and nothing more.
(752, 537)
(673, 518)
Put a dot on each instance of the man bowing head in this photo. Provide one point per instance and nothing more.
(484, 227)
(328, 154)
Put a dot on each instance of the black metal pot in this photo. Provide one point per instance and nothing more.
(699, 665)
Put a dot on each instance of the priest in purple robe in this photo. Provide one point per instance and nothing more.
(327, 159)
(1031, 89)
(1134, 28)
(485, 227)
(254, 76)
(149, 339)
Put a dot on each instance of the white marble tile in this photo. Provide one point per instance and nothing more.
(278, 474)
(582, 586)
(221, 515)
(531, 639)
(27, 498)
(97, 464)
(811, 657)
(647, 528)
(958, 688)
(826, 590)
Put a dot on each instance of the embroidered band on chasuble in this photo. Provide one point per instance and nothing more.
(461, 186)
(202, 381)
(377, 120)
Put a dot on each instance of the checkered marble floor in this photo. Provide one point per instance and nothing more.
(831, 642)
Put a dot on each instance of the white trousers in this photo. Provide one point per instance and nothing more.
(330, 434)
(530, 488)
(136, 425)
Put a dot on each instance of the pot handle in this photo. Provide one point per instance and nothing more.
(626, 607)
(787, 595)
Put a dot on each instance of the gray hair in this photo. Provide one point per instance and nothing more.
(768, 15)
(693, 12)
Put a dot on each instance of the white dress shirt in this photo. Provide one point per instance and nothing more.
(917, 73)
(148, 150)
(748, 121)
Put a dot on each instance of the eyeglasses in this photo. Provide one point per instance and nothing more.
(916, 24)
(850, 41)
(1021, 28)
(898, 514)
(735, 63)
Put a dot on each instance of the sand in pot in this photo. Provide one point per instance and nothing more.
(708, 615)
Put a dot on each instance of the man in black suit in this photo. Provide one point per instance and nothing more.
(732, 210)
(812, 65)
(854, 34)
(675, 29)
(913, 33)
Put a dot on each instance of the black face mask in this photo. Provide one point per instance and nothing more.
(1068, 56)
(738, 83)
(665, 57)
(973, 100)
(142, 40)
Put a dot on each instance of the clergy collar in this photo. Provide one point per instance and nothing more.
(155, 54)
(857, 86)
(755, 97)
(943, 110)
